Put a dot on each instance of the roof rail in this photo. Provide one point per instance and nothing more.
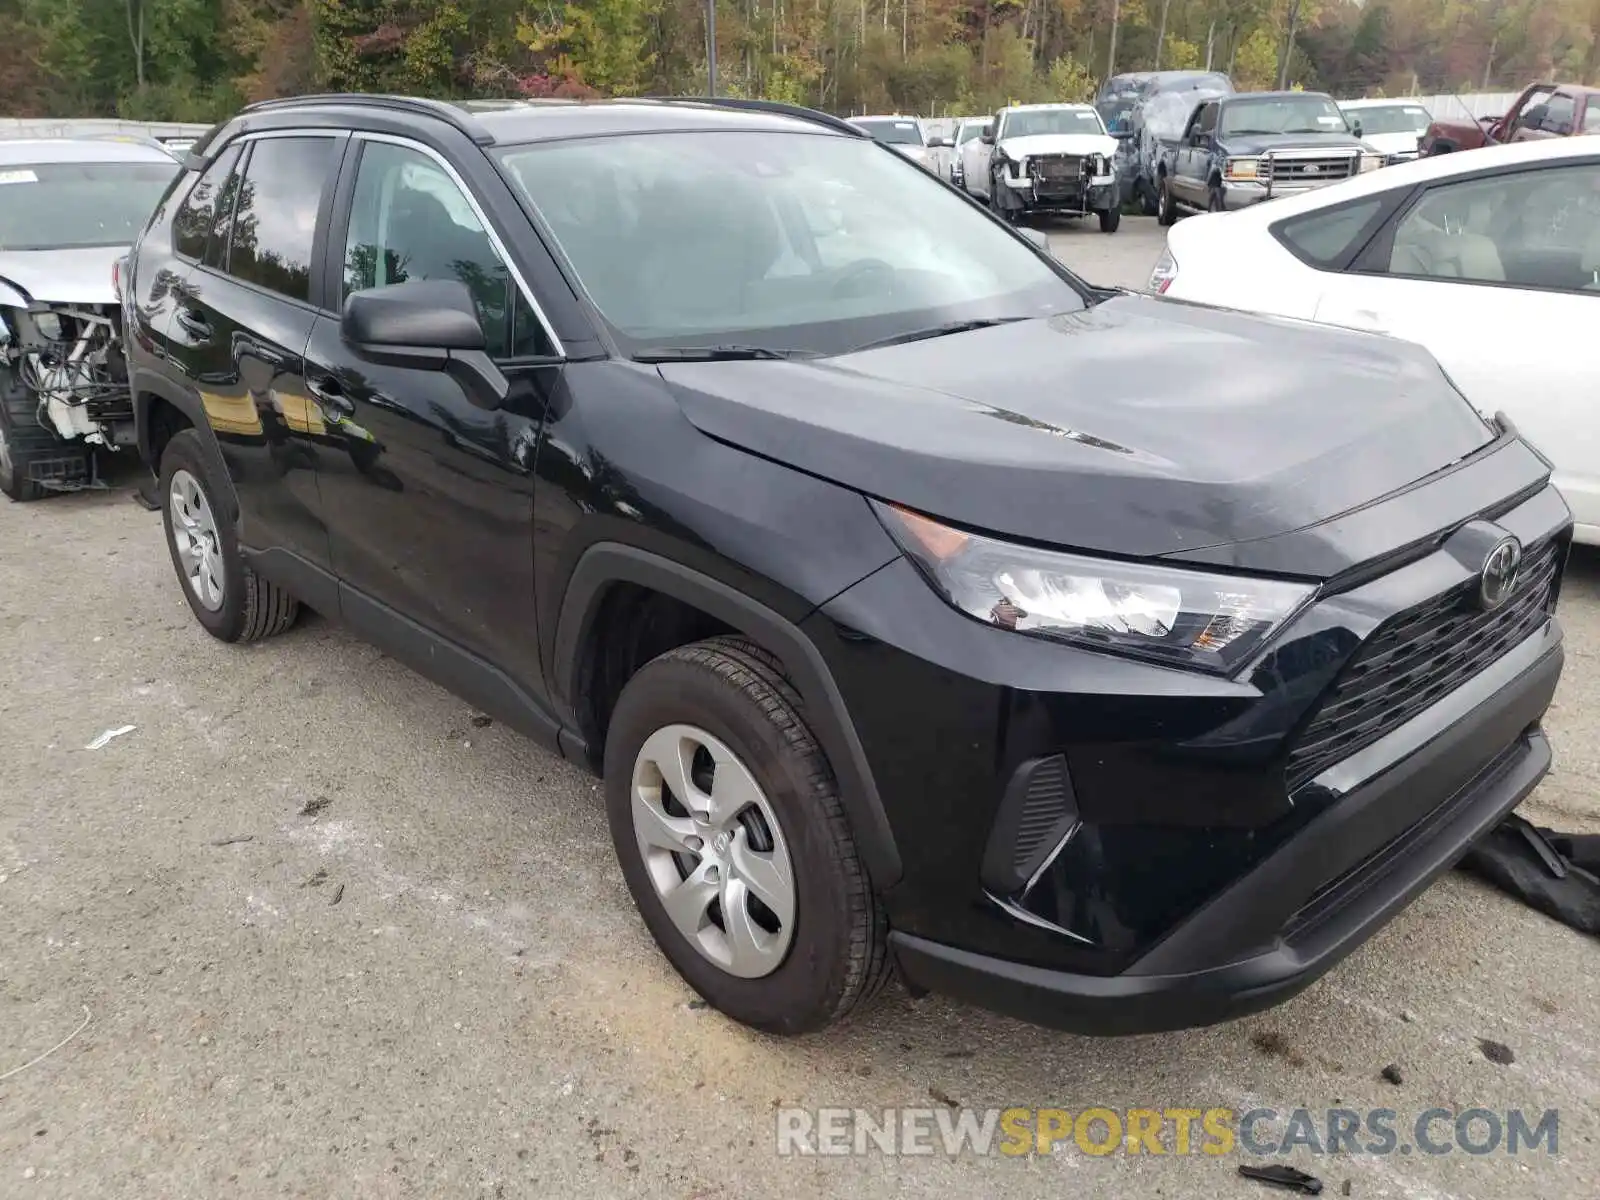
(778, 107)
(441, 109)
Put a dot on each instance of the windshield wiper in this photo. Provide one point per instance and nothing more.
(671, 354)
(933, 331)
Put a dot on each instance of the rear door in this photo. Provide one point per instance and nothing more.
(241, 319)
(430, 495)
(1194, 155)
(1498, 274)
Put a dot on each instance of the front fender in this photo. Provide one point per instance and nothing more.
(606, 564)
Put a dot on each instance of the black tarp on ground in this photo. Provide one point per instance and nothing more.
(1556, 873)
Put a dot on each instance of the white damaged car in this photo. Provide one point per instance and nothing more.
(69, 210)
(1045, 159)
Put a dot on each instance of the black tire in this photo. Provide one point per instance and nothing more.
(1166, 206)
(838, 956)
(1110, 219)
(252, 607)
(1148, 200)
(22, 438)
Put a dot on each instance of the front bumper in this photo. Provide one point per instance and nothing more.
(1237, 194)
(1418, 838)
(1185, 858)
(1069, 198)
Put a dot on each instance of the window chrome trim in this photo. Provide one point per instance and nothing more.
(483, 219)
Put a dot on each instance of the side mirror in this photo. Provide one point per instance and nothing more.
(987, 136)
(936, 142)
(1356, 129)
(426, 324)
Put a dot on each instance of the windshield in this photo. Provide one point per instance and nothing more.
(805, 242)
(971, 129)
(1031, 121)
(1389, 118)
(70, 206)
(894, 133)
(1282, 114)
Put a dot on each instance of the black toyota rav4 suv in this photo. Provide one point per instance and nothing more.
(1110, 661)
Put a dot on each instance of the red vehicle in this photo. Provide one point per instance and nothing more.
(1543, 110)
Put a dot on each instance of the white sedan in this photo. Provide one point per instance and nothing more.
(1490, 259)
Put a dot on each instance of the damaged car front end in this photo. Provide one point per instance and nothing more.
(69, 209)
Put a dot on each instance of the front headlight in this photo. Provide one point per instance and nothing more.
(1370, 162)
(1241, 168)
(1171, 615)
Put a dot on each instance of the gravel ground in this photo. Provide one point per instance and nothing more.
(335, 937)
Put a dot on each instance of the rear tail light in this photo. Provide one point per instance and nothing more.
(1165, 271)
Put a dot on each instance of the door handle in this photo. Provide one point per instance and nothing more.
(330, 394)
(193, 324)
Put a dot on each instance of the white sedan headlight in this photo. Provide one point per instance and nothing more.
(1179, 617)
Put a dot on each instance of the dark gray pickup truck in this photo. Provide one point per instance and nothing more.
(1240, 150)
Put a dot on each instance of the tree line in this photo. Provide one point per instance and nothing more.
(200, 59)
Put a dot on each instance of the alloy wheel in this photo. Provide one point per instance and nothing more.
(713, 850)
(194, 535)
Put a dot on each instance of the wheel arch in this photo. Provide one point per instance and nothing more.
(606, 565)
(152, 393)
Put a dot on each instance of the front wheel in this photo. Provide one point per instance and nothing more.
(1166, 206)
(1110, 219)
(733, 841)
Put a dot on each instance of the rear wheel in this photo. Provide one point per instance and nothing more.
(230, 600)
(1110, 219)
(728, 826)
(1148, 199)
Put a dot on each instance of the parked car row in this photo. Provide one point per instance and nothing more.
(732, 456)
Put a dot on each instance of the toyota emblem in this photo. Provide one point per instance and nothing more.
(1500, 567)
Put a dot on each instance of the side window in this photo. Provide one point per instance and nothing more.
(227, 200)
(1528, 229)
(275, 215)
(1591, 116)
(1558, 115)
(191, 224)
(409, 220)
(1208, 119)
(1323, 239)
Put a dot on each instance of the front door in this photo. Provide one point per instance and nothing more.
(430, 495)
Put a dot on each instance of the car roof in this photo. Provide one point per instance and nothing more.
(79, 149)
(1280, 95)
(1385, 102)
(1432, 169)
(1048, 106)
(517, 122)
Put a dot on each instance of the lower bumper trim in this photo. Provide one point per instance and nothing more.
(1148, 1003)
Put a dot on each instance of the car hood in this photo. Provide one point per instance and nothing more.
(62, 276)
(1258, 143)
(1392, 143)
(1138, 427)
(1058, 143)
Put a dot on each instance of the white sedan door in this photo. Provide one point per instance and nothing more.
(1499, 277)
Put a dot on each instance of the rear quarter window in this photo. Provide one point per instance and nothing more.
(1329, 238)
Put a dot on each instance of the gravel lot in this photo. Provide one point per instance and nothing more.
(337, 939)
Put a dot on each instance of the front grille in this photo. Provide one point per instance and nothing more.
(1057, 168)
(1308, 169)
(1416, 658)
